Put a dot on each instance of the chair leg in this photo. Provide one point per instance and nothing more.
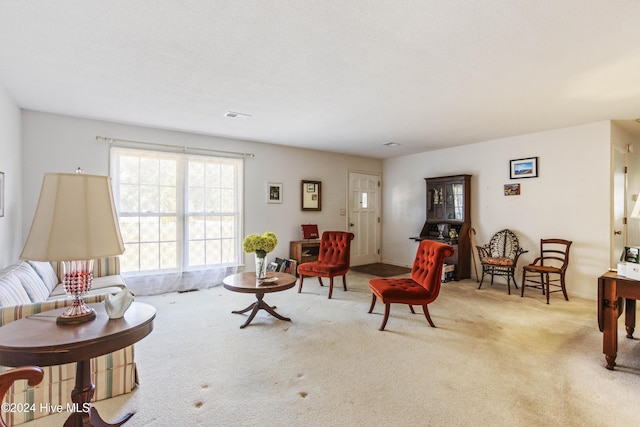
(508, 284)
(300, 285)
(330, 286)
(411, 308)
(426, 314)
(320, 280)
(524, 276)
(564, 288)
(387, 308)
(373, 302)
(344, 281)
(482, 278)
(513, 277)
(547, 282)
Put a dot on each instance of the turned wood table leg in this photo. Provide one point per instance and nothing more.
(83, 414)
(610, 323)
(630, 316)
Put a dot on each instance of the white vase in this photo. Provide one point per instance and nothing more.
(261, 266)
(116, 304)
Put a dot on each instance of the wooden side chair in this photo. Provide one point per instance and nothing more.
(500, 256)
(549, 268)
(333, 259)
(421, 288)
(32, 374)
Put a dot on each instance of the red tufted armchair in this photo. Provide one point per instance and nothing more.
(421, 288)
(333, 259)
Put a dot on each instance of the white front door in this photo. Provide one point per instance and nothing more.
(364, 217)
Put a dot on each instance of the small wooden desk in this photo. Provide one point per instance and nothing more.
(39, 340)
(611, 290)
(247, 283)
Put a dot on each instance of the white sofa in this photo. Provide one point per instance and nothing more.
(30, 287)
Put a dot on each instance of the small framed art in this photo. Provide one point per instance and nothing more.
(274, 192)
(523, 168)
(512, 189)
(311, 195)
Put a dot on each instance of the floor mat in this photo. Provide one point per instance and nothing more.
(381, 270)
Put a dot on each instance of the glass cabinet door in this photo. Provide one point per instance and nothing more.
(435, 201)
(454, 201)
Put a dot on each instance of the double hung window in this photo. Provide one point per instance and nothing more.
(178, 212)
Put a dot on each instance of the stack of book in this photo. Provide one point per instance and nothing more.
(448, 273)
(283, 266)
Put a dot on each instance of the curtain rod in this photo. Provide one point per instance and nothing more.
(184, 148)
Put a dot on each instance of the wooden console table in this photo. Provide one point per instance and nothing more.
(611, 291)
(38, 340)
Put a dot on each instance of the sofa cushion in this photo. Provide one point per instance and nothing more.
(46, 273)
(31, 282)
(11, 292)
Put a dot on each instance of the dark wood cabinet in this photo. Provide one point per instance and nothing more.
(449, 210)
(304, 251)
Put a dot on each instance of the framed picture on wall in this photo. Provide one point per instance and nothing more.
(311, 196)
(274, 192)
(1, 193)
(523, 168)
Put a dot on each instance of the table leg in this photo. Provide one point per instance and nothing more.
(610, 323)
(630, 316)
(85, 415)
(259, 305)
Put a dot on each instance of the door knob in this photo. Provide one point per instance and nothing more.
(351, 224)
(617, 232)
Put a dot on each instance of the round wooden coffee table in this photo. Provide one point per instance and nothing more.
(38, 340)
(247, 283)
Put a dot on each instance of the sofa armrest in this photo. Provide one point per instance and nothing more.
(9, 314)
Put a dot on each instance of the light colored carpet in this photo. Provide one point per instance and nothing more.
(493, 359)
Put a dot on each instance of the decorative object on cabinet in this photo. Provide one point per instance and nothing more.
(448, 212)
(75, 222)
(310, 231)
(553, 260)
(274, 192)
(523, 168)
(512, 189)
(421, 288)
(500, 256)
(333, 259)
(311, 195)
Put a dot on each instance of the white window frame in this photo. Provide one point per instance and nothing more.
(182, 214)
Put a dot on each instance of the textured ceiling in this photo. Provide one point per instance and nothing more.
(337, 75)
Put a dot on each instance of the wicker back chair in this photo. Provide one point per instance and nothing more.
(500, 256)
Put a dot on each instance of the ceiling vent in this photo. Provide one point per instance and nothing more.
(234, 115)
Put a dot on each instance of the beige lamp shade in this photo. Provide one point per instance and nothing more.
(75, 220)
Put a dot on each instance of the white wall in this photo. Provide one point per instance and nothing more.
(569, 199)
(10, 225)
(54, 143)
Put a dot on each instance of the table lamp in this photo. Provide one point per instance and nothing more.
(75, 222)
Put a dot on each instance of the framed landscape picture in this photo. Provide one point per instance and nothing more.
(523, 168)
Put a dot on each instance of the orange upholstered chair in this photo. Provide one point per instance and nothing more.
(31, 373)
(421, 288)
(333, 259)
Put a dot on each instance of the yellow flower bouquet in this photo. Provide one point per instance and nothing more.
(261, 245)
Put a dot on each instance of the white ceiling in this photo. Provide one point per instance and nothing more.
(337, 75)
